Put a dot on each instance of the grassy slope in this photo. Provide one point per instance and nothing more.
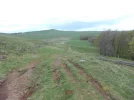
(18, 52)
(50, 89)
(49, 34)
(11, 44)
(117, 80)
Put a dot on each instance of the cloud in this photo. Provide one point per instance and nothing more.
(24, 15)
(124, 24)
(76, 25)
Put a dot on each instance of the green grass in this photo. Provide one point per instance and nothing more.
(74, 71)
(51, 90)
(84, 49)
(81, 46)
(82, 89)
(78, 43)
(118, 80)
(14, 62)
(14, 45)
(49, 34)
(43, 75)
(17, 53)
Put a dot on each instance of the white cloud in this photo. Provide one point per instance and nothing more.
(126, 24)
(31, 13)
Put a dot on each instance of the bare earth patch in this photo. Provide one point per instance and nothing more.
(57, 63)
(55, 74)
(16, 85)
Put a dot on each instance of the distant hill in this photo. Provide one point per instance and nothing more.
(48, 34)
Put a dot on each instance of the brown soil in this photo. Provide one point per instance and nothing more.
(57, 63)
(68, 92)
(69, 73)
(3, 91)
(16, 85)
(94, 82)
(55, 74)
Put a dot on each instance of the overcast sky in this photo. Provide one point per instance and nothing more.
(29, 15)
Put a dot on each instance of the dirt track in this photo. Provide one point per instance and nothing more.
(95, 84)
(17, 83)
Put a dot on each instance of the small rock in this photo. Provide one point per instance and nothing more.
(82, 60)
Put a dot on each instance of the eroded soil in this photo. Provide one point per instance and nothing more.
(17, 83)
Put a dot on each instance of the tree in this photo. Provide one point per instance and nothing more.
(116, 43)
(83, 37)
(91, 39)
(106, 43)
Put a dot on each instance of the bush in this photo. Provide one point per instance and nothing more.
(106, 43)
(91, 39)
(83, 37)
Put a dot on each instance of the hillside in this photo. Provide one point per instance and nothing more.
(57, 65)
(47, 34)
(15, 52)
(11, 44)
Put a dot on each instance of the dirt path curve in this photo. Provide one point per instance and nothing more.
(17, 83)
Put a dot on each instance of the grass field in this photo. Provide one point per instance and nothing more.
(61, 75)
(49, 34)
(82, 46)
(114, 79)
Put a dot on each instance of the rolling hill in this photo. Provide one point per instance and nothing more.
(48, 34)
(64, 68)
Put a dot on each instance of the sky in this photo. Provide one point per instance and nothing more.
(76, 15)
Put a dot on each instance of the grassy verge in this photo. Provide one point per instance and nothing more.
(116, 79)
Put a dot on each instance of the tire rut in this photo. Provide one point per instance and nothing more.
(3, 90)
(55, 73)
(68, 73)
(56, 76)
(95, 84)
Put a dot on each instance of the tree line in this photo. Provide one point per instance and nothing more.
(113, 43)
(116, 43)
